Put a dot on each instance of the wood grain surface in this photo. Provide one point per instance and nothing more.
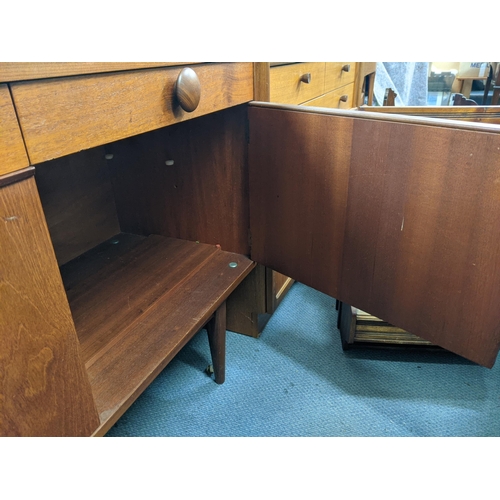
(202, 196)
(77, 198)
(397, 219)
(286, 87)
(12, 151)
(261, 83)
(247, 303)
(385, 117)
(16, 176)
(486, 114)
(16, 71)
(333, 99)
(336, 76)
(43, 383)
(97, 109)
(135, 314)
(299, 175)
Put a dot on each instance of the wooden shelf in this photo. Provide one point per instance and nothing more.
(357, 326)
(136, 301)
(369, 328)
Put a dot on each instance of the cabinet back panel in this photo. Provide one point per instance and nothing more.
(202, 196)
(77, 198)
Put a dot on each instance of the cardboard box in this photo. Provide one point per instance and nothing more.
(473, 70)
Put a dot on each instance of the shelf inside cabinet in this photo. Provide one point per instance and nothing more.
(136, 301)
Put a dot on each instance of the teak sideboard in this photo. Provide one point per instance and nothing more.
(136, 198)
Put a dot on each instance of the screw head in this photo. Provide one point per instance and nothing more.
(233, 264)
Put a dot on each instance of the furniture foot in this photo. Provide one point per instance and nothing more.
(339, 312)
(216, 329)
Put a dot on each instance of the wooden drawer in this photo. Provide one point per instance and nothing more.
(338, 74)
(287, 87)
(12, 153)
(65, 115)
(341, 98)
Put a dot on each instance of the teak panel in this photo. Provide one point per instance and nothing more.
(134, 315)
(286, 85)
(12, 152)
(202, 196)
(247, 304)
(299, 175)
(112, 299)
(426, 202)
(95, 110)
(398, 219)
(77, 198)
(16, 71)
(44, 386)
(485, 114)
(261, 84)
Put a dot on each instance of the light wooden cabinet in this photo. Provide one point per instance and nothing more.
(115, 255)
(313, 83)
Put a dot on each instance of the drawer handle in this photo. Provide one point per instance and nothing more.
(188, 90)
(306, 78)
(344, 98)
(346, 68)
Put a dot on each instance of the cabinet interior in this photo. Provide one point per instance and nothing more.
(143, 231)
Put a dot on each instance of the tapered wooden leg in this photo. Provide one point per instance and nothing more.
(216, 329)
(339, 312)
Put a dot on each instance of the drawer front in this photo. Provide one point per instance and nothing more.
(12, 152)
(65, 115)
(287, 86)
(341, 99)
(338, 74)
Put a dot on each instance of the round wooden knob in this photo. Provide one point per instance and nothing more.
(344, 98)
(306, 78)
(346, 68)
(188, 90)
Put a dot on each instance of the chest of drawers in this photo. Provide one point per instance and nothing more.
(326, 84)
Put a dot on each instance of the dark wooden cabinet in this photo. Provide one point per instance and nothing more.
(135, 244)
(394, 215)
(340, 85)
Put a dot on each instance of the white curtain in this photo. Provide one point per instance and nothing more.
(407, 79)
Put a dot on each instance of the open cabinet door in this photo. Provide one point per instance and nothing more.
(397, 216)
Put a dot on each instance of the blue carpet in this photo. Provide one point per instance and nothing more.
(295, 380)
